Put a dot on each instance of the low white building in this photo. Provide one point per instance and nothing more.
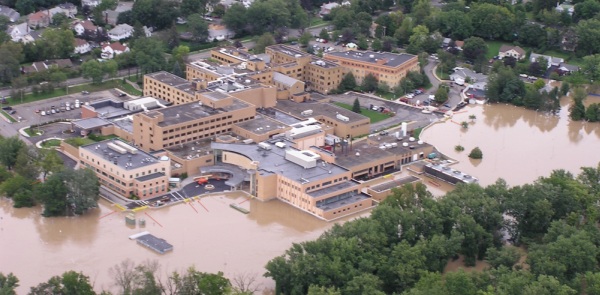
(81, 46)
(552, 61)
(120, 32)
(90, 3)
(109, 51)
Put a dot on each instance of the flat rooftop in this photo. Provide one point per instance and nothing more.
(323, 63)
(191, 149)
(291, 51)
(157, 244)
(168, 78)
(334, 188)
(279, 116)
(391, 59)
(318, 109)
(452, 173)
(150, 176)
(261, 125)
(193, 111)
(124, 161)
(355, 198)
(394, 183)
(273, 162)
(110, 108)
(366, 154)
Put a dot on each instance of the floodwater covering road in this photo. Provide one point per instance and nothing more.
(518, 145)
(208, 235)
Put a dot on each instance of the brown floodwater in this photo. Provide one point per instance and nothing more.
(518, 145)
(209, 235)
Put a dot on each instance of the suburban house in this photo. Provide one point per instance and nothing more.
(81, 46)
(120, 32)
(565, 69)
(111, 50)
(459, 44)
(69, 9)
(327, 7)
(90, 3)
(10, 13)
(40, 19)
(567, 6)
(16, 32)
(31, 37)
(219, 32)
(40, 66)
(446, 42)
(511, 51)
(552, 61)
(84, 27)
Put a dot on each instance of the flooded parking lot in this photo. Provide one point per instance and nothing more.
(518, 145)
(207, 234)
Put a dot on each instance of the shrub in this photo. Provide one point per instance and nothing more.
(476, 153)
(459, 148)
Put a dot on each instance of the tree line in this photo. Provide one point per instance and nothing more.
(538, 238)
(141, 279)
(29, 176)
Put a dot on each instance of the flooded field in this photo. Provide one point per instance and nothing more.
(518, 145)
(209, 235)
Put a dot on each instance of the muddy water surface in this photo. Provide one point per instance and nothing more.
(518, 145)
(208, 235)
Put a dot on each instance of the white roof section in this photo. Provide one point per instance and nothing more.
(284, 79)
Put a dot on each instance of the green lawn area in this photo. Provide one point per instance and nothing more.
(373, 115)
(493, 48)
(78, 141)
(181, 28)
(116, 83)
(99, 137)
(32, 132)
(9, 117)
(386, 95)
(442, 75)
(51, 143)
(316, 21)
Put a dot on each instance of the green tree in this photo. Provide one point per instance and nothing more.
(316, 290)
(159, 14)
(476, 153)
(455, 24)
(348, 82)
(26, 163)
(474, 48)
(50, 162)
(564, 88)
(192, 6)
(577, 109)
(82, 189)
(505, 86)
(588, 37)
(304, 39)
(506, 256)
(92, 69)
(362, 43)
(364, 284)
(262, 42)
(23, 198)
(267, 16)
(57, 43)
(148, 53)
(198, 27)
(441, 94)
(236, 18)
(70, 283)
(12, 185)
(11, 55)
(492, 21)
(586, 10)
(376, 45)
(356, 106)
(8, 284)
(59, 20)
(369, 83)
(324, 34)
(9, 149)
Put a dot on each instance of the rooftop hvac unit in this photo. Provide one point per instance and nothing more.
(280, 145)
(307, 113)
(116, 148)
(342, 117)
(264, 146)
(126, 146)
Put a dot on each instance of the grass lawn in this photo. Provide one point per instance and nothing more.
(442, 75)
(51, 143)
(317, 21)
(181, 28)
(386, 95)
(373, 115)
(9, 117)
(33, 132)
(78, 141)
(129, 89)
(100, 137)
(493, 48)
(116, 83)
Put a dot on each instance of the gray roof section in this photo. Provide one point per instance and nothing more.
(393, 59)
(90, 123)
(284, 79)
(394, 183)
(150, 176)
(121, 29)
(345, 202)
(139, 159)
(273, 162)
(261, 125)
(319, 109)
(193, 111)
(337, 187)
(12, 14)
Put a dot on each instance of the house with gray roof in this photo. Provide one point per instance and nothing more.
(10, 13)
(120, 32)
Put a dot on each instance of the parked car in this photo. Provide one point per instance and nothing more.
(85, 92)
(12, 112)
(447, 105)
(7, 108)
